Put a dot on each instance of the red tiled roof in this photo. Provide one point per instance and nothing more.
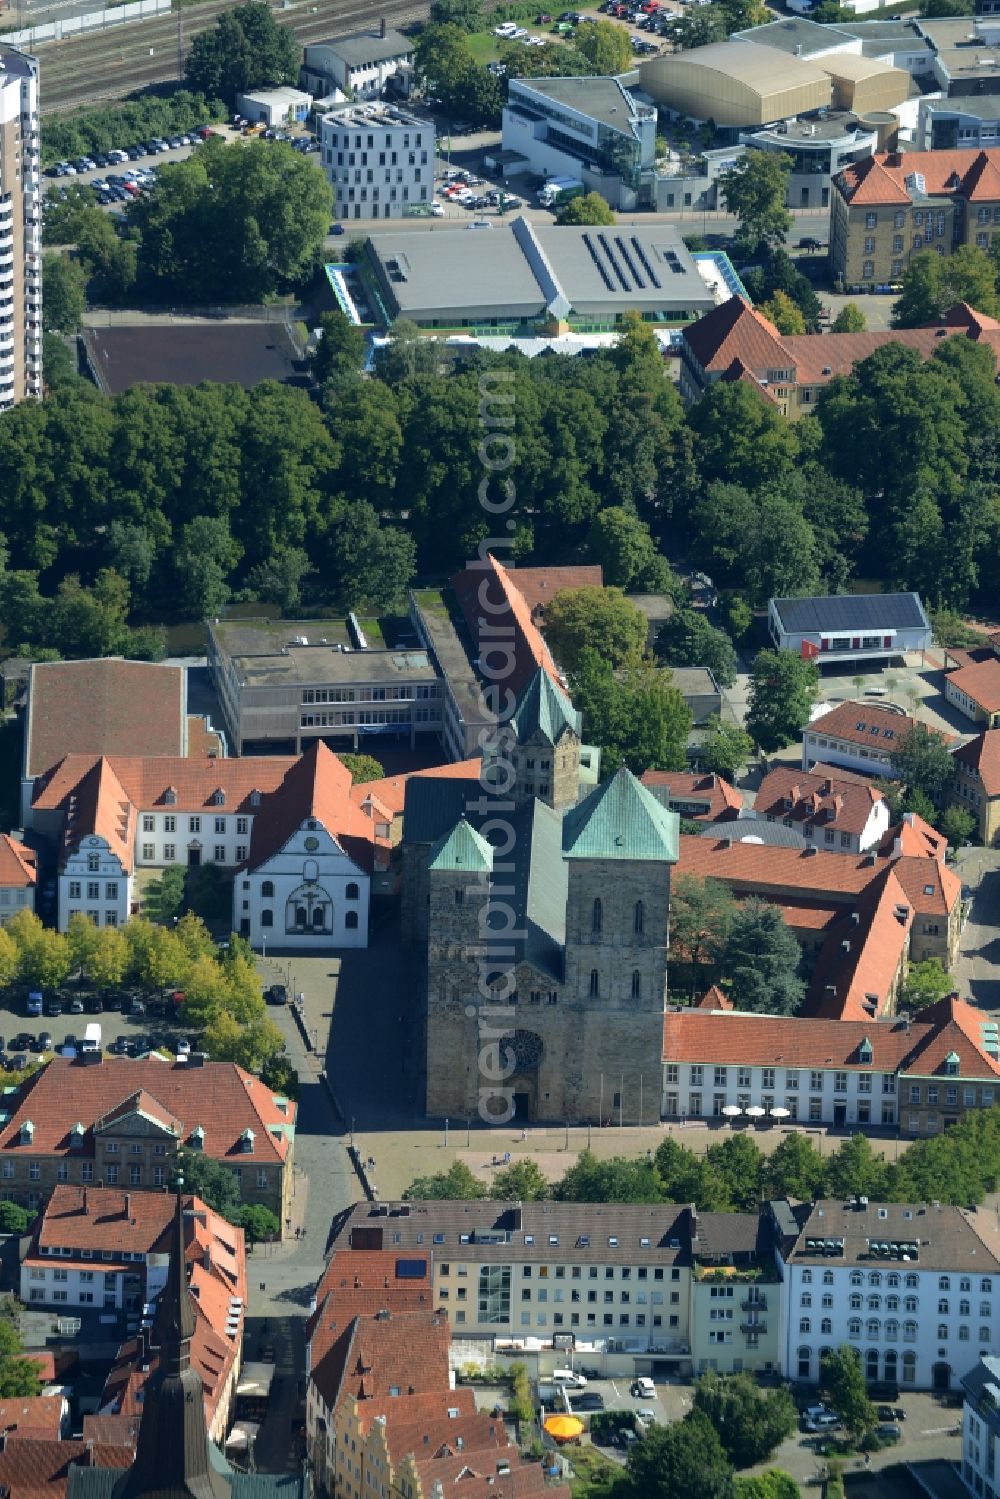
(430, 1406)
(103, 796)
(881, 179)
(914, 836)
(860, 960)
(683, 785)
(474, 1476)
(714, 999)
(537, 585)
(982, 755)
(735, 330)
(818, 358)
(32, 1469)
(373, 1355)
(113, 1431)
(496, 583)
(774, 873)
(220, 1097)
(919, 1046)
(821, 801)
(361, 1283)
(105, 1218)
(106, 707)
(854, 722)
(981, 683)
(41, 1414)
(391, 792)
(317, 785)
(17, 864)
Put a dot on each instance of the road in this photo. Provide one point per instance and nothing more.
(111, 64)
(977, 971)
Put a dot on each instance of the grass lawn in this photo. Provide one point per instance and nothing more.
(595, 1476)
(372, 632)
(484, 48)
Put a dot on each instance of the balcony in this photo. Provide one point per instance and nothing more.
(754, 1329)
(758, 1305)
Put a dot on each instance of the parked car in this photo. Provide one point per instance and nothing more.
(120, 1046)
(76, 1006)
(53, 1006)
(21, 1042)
(590, 1401)
(888, 1431)
(183, 1047)
(45, 1041)
(277, 995)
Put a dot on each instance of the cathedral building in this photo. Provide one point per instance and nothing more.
(544, 914)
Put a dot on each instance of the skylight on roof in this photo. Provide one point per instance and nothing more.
(928, 889)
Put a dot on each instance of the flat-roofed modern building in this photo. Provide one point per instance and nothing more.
(850, 626)
(522, 275)
(589, 128)
(379, 161)
(283, 684)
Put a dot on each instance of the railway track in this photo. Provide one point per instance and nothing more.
(111, 64)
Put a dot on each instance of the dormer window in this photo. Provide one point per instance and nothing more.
(76, 1135)
(865, 1051)
(27, 1132)
(255, 798)
(951, 1064)
(246, 1141)
(197, 1138)
(218, 797)
(170, 796)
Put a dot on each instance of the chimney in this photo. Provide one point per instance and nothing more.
(381, 28)
(128, 1204)
(84, 1202)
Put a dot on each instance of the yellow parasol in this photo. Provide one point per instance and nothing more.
(563, 1428)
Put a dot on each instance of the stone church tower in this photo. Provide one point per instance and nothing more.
(619, 845)
(546, 754)
(577, 1031)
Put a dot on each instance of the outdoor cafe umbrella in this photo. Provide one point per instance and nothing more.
(755, 1111)
(563, 1428)
(732, 1110)
(780, 1113)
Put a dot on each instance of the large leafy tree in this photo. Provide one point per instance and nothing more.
(605, 46)
(755, 189)
(932, 283)
(238, 221)
(701, 914)
(739, 437)
(578, 620)
(635, 715)
(586, 208)
(688, 639)
(782, 691)
(796, 1169)
(616, 1180)
(761, 961)
(725, 748)
(65, 294)
(684, 1460)
(247, 50)
(686, 1177)
(750, 1422)
(844, 1381)
(622, 544)
(740, 1164)
(922, 761)
(854, 1170)
(456, 1183)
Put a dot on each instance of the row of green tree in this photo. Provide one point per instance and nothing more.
(735, 1175)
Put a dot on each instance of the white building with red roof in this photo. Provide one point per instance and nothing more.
(302, 842)
(18, 877)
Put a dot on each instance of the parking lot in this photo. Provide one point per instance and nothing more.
(131, 1025)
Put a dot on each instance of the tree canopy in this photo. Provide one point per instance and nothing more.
(761, 960)
(749, 1422)
(782, 690)
(247, 50)
(587, 208)
(755, 189)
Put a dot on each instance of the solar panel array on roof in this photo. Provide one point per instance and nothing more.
(626, 261)
(863, 611)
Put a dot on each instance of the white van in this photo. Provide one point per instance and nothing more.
(643, 1388)
(569, 1377)
(92, 1037)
